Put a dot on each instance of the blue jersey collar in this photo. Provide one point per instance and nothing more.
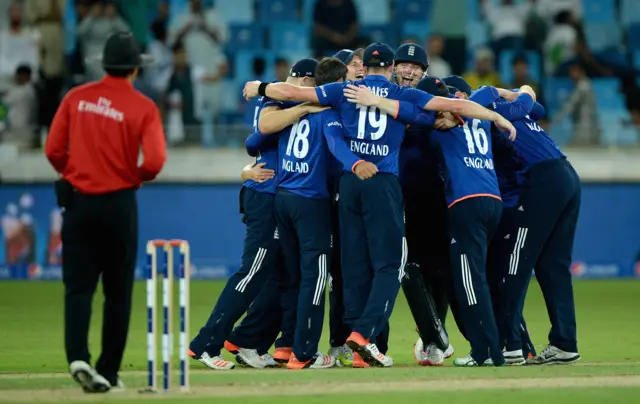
(376, 77)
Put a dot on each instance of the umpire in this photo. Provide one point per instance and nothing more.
(94, 143)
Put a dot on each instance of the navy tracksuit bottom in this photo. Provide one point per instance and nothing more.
(499, 256)
(471, 225)
(547, 216)
(373, 250)
(258, 260)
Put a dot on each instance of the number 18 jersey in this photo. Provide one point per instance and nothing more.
(372, 135)
(466, 161)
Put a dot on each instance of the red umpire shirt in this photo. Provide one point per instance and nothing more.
(97, 133)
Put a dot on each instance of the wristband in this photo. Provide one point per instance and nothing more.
(262, 88)
(353, 167)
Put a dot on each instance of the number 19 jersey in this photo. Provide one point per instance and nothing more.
(372, 135)
(466, 161)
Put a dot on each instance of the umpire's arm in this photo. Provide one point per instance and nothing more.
(154, 146)
(57, 145)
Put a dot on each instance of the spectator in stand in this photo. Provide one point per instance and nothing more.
(163, 15)
(76, 64)
(159, 73)
(521, 77)
(410, 39)
(18, 46)
(335, 26)
(560, 45)
(438, 67)
(203, 34)
(136, 14)
(508, 21)
(22, 102)
(549, 9)
(46, 18)
(249, 107)
(93, 32)
(444, 13)
(484, 73)
(282, 69)
(582, 106)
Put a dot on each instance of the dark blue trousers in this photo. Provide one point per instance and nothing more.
(258, 261)
(498, 258)
(374, 249)
(472, 223)
(305, 230)
(547, 216)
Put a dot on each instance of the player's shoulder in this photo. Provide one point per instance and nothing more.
(330, 117)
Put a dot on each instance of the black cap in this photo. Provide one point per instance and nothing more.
(459, 83)
(345, 56)
(121, 51)
(411, 53)
(452, 90)
(304, 68)
(378, 54)
(434, 86)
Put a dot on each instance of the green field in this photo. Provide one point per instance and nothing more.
(32, 362)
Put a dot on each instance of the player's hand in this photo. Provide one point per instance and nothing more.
(360, 95)
(251, 89)
(506, 126)
(365, 170)
(445, 122)
(260, 174)
(507, 94)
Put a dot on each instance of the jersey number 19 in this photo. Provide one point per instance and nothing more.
(477, 139)
(299, 139)
(368, 115)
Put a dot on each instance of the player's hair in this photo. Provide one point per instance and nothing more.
(120, 73)
(330, 70)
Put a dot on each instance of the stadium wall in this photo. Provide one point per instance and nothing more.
(607, 243)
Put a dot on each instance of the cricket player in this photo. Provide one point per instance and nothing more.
(353, 60)
(508, 165)
(423, 192)
(261, 249)
(371, 212)
(546, 217)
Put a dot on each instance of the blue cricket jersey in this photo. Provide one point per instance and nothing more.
(466, 161)
(307, 150)
(532, 143)
(372, 136)
(264, 147)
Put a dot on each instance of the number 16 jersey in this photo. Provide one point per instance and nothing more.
(466, 161)
(372, 135)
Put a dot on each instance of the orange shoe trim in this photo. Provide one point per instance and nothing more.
(231, 347)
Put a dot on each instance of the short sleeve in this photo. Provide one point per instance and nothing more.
(485, 96)
(330, 94)
(417, 97)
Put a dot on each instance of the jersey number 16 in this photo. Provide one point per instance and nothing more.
(368, 115)
(478, 139)
(299, 139)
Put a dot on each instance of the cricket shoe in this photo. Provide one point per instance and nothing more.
(432, 356)
(552, 355)
(358, 362)
(368, 351)
(88, 378)
(343, 355)
(468, 362)
(318, 361)
(119, 387)
(282, 355)
(250, 357)
(212, 362)
(514, 358)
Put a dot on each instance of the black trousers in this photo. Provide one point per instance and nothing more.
(100, 238)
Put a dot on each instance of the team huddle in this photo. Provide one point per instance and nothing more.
(371, 175)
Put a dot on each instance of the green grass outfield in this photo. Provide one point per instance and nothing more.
(32, 362)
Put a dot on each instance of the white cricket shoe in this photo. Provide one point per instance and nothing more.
(371, 354)
(432, 355)
(250, 358)
(514, 358)
(87, 377)
(119, 387)
(449, 352)
(343, 355)
(268, 359)
(552, 355)
(215, 362)
(468, 361)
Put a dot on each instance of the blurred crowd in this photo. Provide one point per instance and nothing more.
(200, 49)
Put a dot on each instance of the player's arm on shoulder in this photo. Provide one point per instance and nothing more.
(515, 110)
(485, 96)
(154, 145)
(257, 173)
(537, 112)
(57, 145)
(363, 96)
(472, 110)
(273, 119)
(280, 91)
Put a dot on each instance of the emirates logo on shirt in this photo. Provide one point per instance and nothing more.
(102, 107)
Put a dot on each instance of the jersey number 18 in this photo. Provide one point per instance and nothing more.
(368, 115)
(478, 139)
(299, 139)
